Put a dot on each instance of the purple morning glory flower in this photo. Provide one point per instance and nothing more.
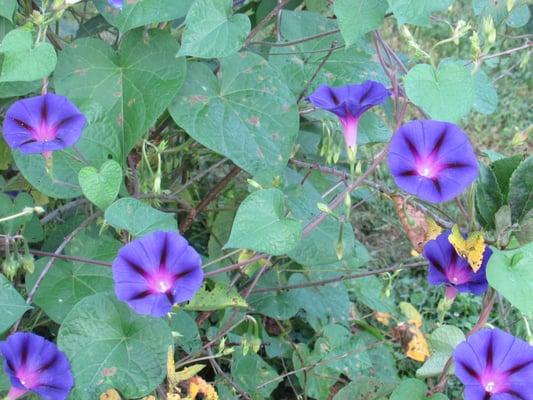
(33, 364)
(348, 103)
(43, 124)
(493, 364)
(116, 3)
(448, 268)
(157, 271)
(433, 160)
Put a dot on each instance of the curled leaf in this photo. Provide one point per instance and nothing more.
(198, 386)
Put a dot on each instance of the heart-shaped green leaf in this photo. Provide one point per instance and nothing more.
(445, 94)
(7, 8)
(22, 60)
(248, 114)
(109, 346)
(101, 187)
(133, 86)
(212, 31)
(260, 224)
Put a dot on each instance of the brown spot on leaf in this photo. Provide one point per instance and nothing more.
(81, 71)
(120, 119)
(131, 102)
(254, 120)
(107, 372)
(198, 99)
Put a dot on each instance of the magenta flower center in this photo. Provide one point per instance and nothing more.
(161, 281)
(493, 382)
(28, 379)
(44, 133)
(457, 275)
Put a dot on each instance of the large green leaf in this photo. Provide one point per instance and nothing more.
(12, 304)
(134, 86)
(261, 225)
(510, 273)
(212, 31)
(109, 346)
(357, 17)
(445, 94)
(247, 114)
(416, 12)
(23, 59)
(185, 331)
(138, 13)
(521, 189)
(138, 218)
(300, 62)
(70, 281)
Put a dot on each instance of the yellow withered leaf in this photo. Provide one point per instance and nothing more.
(198, 386)
(433, 230)
(471, 248)
(411, 313)
(412, 340)
(382, 317)
(110, 394)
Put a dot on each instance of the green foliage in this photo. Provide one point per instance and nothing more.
(442, 341)
(138, 218)
(24, 61)
(414, 389)
(446, 94)
(68, 282)
(12, 304)
(133, 86)
(7, 8)
(138, 13)
(239, 114)
(359, 17)
(261, 225)
(109, 346)
(510, 273)
(416, 12)
(212, 31)
(521, 189)
(101, 187)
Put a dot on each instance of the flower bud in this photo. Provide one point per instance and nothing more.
(10, 267)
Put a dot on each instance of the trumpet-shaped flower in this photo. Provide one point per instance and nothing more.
(448, 268)
(433, 160)
(348, 103)
(493, 364)
(43, 124)
(33, 364)
(157, 271)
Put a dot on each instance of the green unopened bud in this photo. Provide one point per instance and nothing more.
(339, 247)
(324, 208)
(510, 5)
(254, 184)
(475, 48)
(489, 32)
(28, 263)
(10, 267)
